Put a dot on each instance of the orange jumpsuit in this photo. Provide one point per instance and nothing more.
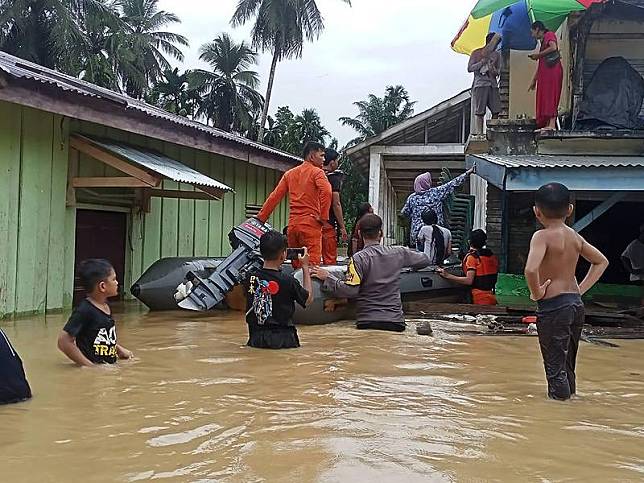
(486, 268)
(309, 204)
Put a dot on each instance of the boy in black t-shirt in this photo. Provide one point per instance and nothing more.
(89, 337)
(271, 297)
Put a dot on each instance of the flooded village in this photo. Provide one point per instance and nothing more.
(107, 192)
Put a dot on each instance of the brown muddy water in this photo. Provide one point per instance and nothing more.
(197, 405)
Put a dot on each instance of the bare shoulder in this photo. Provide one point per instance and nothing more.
(576, 237)
(540, 236)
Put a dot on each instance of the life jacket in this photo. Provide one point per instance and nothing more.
(487, 269)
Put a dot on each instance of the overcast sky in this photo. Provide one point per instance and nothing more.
(373, 44)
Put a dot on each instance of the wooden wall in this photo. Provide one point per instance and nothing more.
(186, 228)
(37, 230)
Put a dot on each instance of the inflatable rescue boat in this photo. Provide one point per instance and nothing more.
(203, 283)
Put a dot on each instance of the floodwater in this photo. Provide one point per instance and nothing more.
(197, 405)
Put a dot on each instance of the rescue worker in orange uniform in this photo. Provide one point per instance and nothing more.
(335, 227)
(309, 202)
(481, 268)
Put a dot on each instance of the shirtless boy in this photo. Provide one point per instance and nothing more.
(550, 273)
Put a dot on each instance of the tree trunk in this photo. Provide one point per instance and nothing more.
(267, 101)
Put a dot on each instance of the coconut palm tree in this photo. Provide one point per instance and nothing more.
(378, 114)
(52, 33)
(143, 46)
(228, 93)
(281, 27)
(308, 127)
(174, 94)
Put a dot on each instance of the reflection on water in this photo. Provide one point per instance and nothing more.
(197, 405)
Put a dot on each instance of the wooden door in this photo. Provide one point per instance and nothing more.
(100, 234)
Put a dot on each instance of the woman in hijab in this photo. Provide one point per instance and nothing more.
(425, 197)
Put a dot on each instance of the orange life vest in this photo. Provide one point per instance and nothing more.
(486, 265)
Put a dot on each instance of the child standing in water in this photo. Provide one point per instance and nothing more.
(434, 240)
(89, 337)
(271, 296)
(550, 274)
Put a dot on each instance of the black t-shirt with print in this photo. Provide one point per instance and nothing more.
(336, 179)
(283, 302)
(94, 331)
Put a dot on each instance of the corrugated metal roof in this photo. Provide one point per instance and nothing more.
(158, 163)
(20, 68)
(562, 161)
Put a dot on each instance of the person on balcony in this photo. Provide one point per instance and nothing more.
(548, 78)
(485, 63)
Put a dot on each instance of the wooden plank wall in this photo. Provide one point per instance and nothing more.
(37, 230)
(187, 228)
(36, 242)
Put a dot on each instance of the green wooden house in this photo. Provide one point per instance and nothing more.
(87, 172)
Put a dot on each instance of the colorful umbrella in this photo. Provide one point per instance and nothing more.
(482, 20)
(512, 22)
(551, 12)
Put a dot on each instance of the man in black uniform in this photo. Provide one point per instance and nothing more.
(336, 217)
(13, 383)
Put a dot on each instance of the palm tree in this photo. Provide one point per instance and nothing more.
(144, 47)
(378, 114)
(308, 127)
(52, 33)
(281, 27)
(228, 94)
(174, 94)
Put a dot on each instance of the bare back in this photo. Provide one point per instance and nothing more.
(563, 248)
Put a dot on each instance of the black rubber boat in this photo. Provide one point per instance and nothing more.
(202, 283)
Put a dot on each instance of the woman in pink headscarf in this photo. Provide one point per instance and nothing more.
(424, 197)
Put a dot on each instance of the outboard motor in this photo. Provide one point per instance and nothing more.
(205, 293)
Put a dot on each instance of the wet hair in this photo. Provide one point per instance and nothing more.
(430, 217)
(539, 25)
(553, 200)
(370, 226)
(330, 155)
(93, 271)
(489, 37)
(478, 239)
(310, 147)
(272, 244)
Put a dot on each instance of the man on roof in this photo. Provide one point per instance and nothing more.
(309, 202)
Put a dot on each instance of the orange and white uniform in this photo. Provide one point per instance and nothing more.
(309, 194)
(486, 269)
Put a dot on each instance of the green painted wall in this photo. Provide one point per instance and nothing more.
(37, 230)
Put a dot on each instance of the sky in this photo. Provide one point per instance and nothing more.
(363, 49)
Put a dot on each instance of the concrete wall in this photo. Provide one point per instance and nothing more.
(37, 230)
